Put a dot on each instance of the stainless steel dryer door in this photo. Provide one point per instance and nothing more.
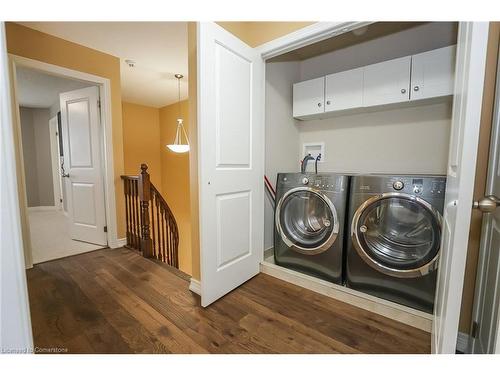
(306, 220)
(397, 234)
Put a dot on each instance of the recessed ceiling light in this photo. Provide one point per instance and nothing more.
(130, 63)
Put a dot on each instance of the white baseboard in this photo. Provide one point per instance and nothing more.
(195, 286)
(43, 208)
(391, 310)
(463, 343)
(119, 242)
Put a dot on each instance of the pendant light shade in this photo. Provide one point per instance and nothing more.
(178, 146)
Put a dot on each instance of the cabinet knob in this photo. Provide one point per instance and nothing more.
(403, 91)
(319, 104)
(416, 88)
(328, 102)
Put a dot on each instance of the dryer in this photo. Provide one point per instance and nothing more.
(395, 236)
(309, 223)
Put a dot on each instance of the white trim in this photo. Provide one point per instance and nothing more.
(391, 310)
(104, 85)
(120, 242)
(195, 286)
(306, 36)
(472, 45)
(15, 316)
(463, 343)
(43, 208)
(54, 158)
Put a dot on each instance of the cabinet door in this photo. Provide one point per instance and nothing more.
(344, 90)
(309, 97)
(432, 73)
(387, 82)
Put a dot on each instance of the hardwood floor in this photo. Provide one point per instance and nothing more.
(115, 301)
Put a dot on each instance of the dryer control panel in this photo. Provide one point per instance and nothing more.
(420, 186)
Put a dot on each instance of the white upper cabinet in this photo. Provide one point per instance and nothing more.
(432, 73)
(387, 82)
(309, 97)
(403, 80)
(344, 90)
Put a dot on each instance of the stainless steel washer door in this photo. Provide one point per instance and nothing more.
(306, 220)
(397, 234)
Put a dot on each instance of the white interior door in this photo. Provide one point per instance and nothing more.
(84, 184)
(487, 296)
(468, 93)
(231, 161)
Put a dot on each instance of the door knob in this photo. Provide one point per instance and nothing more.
(487, 204)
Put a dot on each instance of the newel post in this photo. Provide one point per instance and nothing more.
(145, 197)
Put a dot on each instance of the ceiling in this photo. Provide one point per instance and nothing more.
(159, 50)
(40, 90)
(364, 34)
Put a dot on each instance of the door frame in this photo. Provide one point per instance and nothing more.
(324, 30)
(54, 155)
(104, 85)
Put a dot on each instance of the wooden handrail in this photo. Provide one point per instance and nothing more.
(151, 225)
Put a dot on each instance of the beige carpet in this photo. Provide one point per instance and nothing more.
(50, 237)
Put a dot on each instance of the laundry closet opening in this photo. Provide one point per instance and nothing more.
(357, 134)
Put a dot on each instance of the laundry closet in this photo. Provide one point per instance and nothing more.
(373, 101)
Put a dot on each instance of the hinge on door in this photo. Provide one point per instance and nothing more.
(99, 103)
(105, 229)
(475, 329)
(60, 200)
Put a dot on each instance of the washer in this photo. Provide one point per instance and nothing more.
(309, 223)
(395, 237)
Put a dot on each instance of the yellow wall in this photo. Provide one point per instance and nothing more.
(257, 33)
(175, 179)
(26, 42)
(193, 153)
(141, 140)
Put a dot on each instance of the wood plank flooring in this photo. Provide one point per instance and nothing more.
(115, 301)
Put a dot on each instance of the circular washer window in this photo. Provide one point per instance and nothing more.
(307, 221)
(398, 234)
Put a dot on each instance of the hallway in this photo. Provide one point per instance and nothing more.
(115, 301)
(50, 239)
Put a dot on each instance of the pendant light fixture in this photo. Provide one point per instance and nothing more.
(178, 146)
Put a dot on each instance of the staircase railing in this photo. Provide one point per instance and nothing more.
(151, 226)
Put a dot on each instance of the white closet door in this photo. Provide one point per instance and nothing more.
(387, 82)
(231, 161)
(83, 176)
(344, 90)
(467, 102)
(433, 73)
(309, 97)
